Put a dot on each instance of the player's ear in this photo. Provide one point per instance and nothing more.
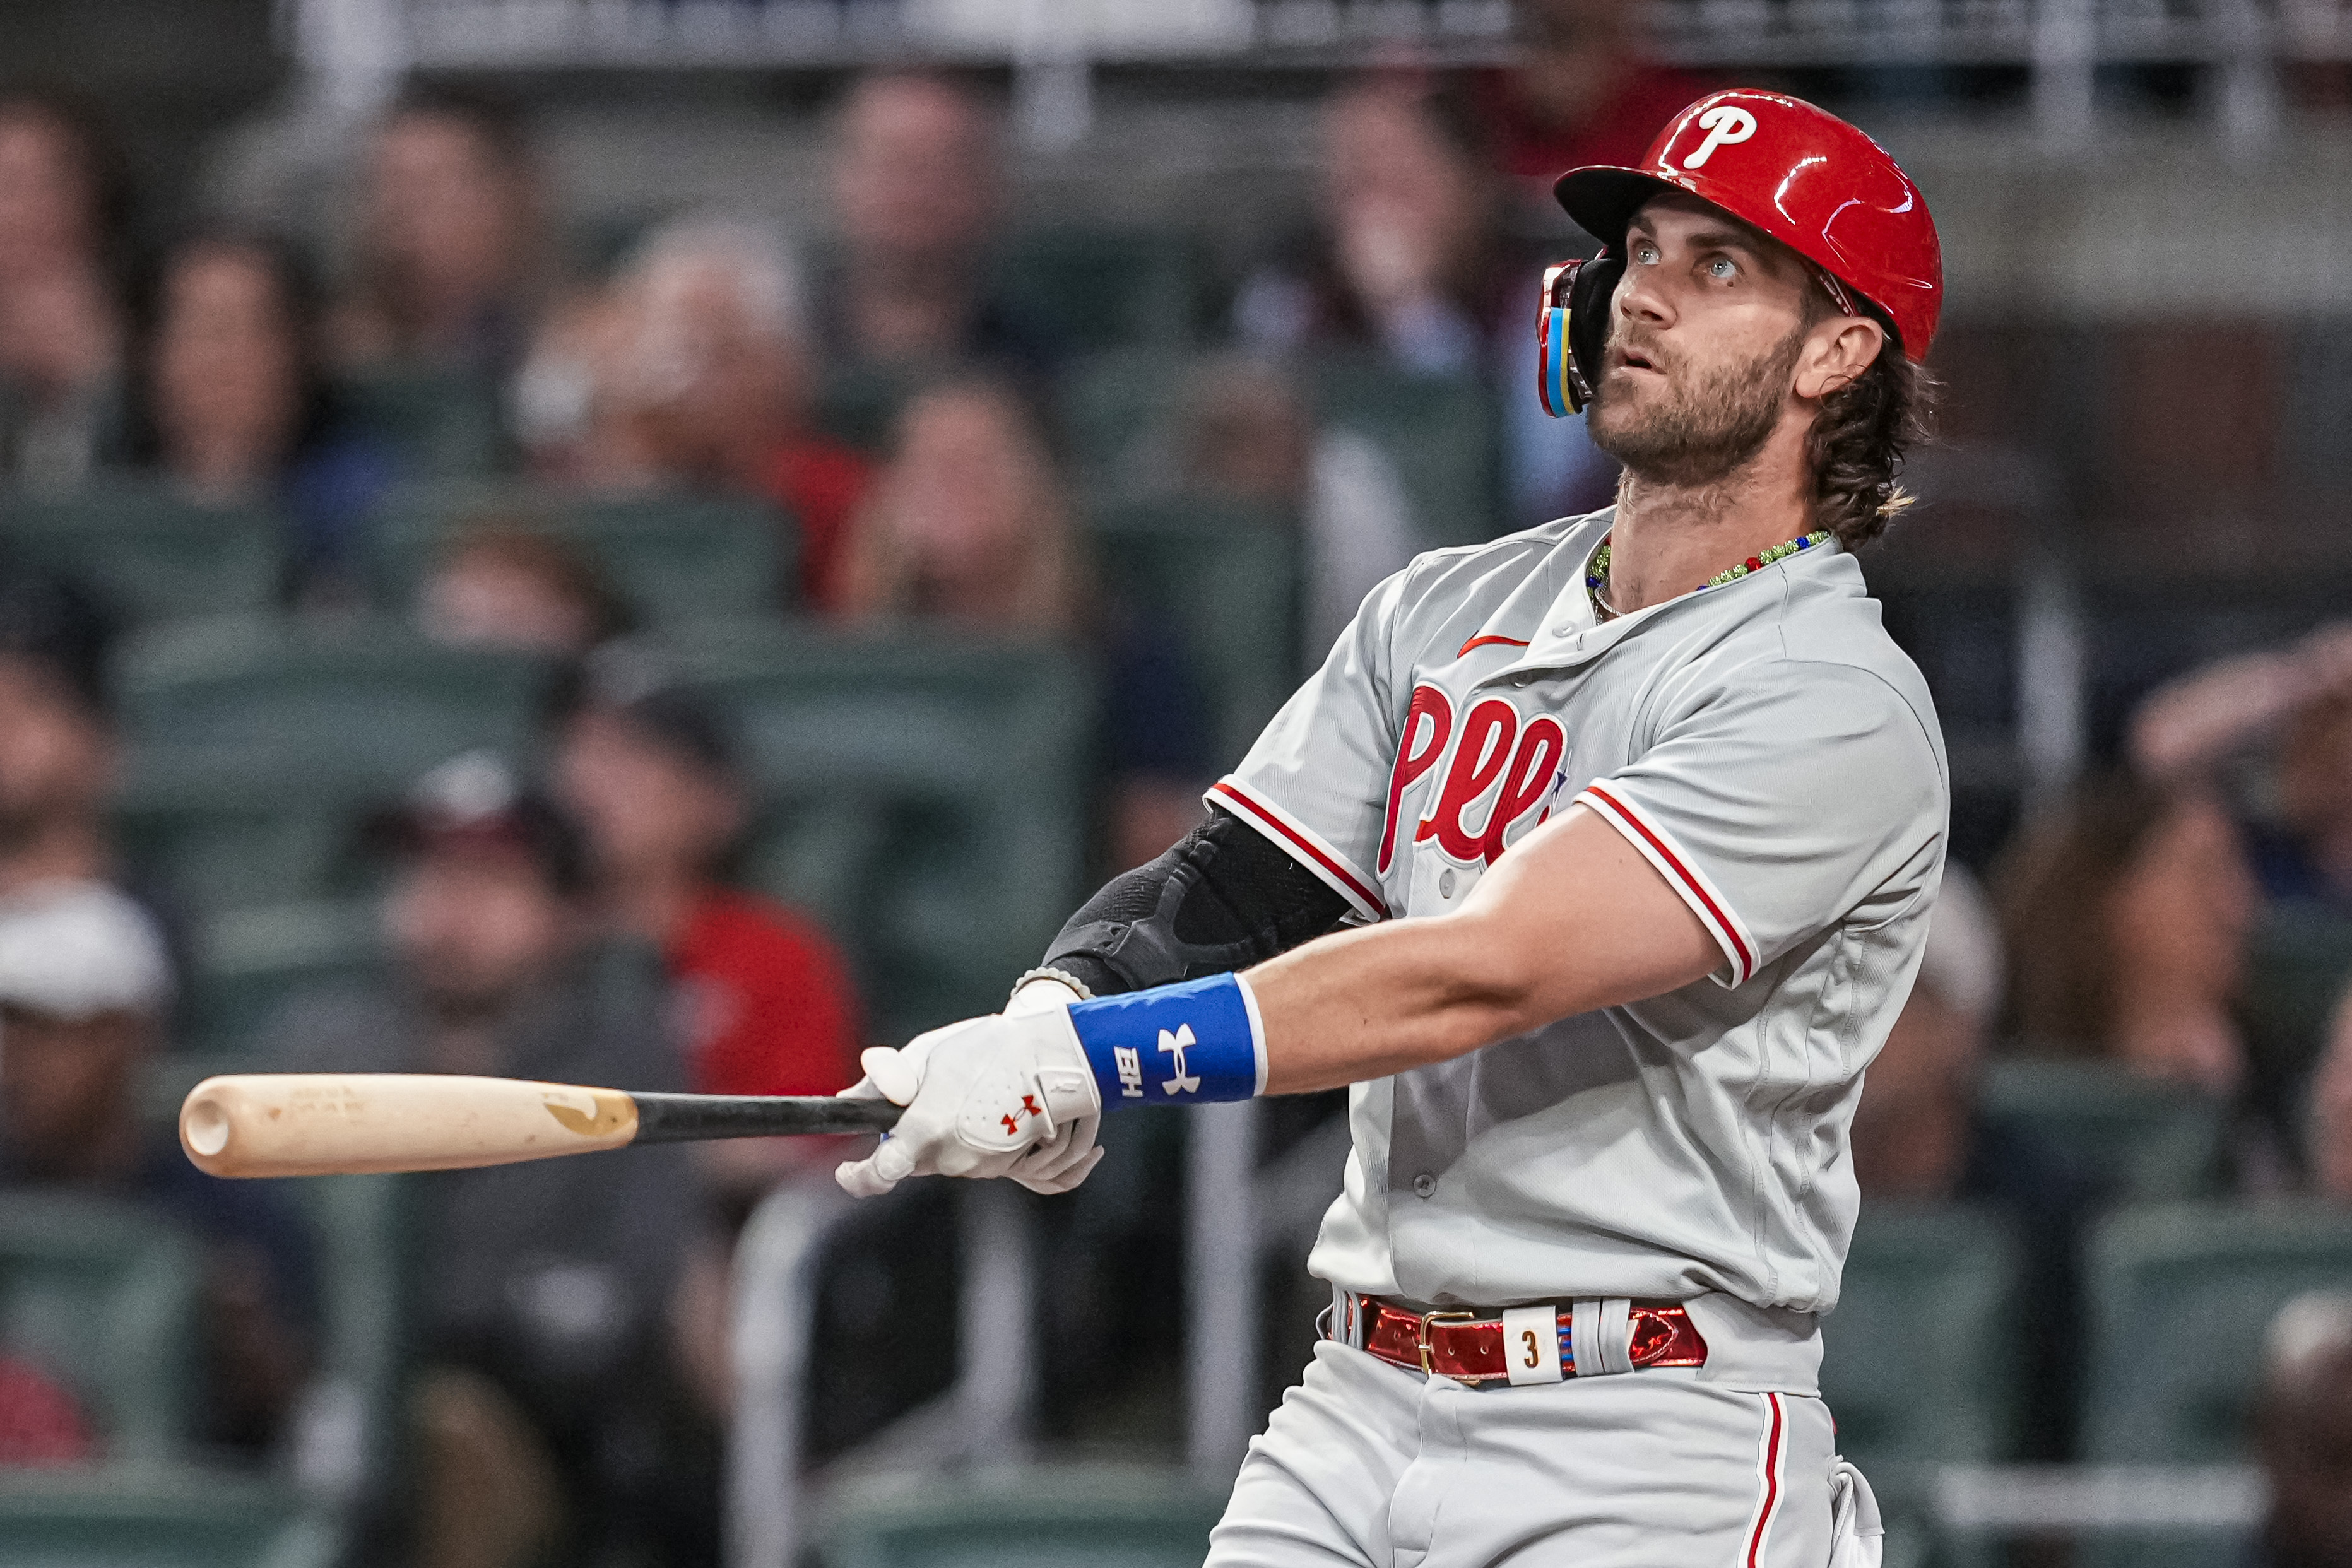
(1838, 351)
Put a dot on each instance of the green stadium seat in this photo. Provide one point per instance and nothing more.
(104, 1298)
(1226, 580)
(440, 421)
(1917, 1366)
(926, 797)
(2181, 1298)
(675, 559)
(1442, 433)
(251, 745)
(1080, 1518)
(859, 405)
(1113, 406)
(245, 963)
(2139, 1140)
(148, 553)
(171, 1517)
(1094, 288)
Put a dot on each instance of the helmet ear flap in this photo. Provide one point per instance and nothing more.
(1572, 330)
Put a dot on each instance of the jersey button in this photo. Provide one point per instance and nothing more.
(1424, 1185)
(1446, 884)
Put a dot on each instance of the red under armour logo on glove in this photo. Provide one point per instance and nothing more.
(1011, 1119)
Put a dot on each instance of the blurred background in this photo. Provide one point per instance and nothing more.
(658, 542)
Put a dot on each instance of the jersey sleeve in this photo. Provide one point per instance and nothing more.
(1316, 782)
(1812, 795)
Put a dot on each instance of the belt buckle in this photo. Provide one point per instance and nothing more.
(1422, 1344)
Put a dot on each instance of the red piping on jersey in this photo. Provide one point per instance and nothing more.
(1722, 921)
(1771, 1487)
(1371, 899)
(1492, 642)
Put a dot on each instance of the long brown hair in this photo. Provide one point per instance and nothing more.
(2051, 890)
(1859, 439)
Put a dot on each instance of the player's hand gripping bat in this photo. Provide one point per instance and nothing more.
(324, 1124)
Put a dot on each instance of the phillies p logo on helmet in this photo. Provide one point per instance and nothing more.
(1724, 123)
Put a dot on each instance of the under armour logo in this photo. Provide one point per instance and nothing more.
(1176, 1045)
(1725, 124)
(1011, 1118)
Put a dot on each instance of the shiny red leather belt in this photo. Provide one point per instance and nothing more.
(1470, 1348)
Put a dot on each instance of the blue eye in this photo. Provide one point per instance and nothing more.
(1647, 254)
(1722, 267)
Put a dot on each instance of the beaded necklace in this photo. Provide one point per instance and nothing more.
(1596, 575)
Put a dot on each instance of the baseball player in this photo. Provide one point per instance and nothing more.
(1596, 861)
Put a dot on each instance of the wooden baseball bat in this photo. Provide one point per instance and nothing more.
(325, 1123)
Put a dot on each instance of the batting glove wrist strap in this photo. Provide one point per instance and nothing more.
(1198, 1041)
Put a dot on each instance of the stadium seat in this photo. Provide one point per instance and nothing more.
(149, 554)
(1094, 288)
(1442, 433)
(251, 745)
(928, 798)
(103, 1298)
(440, 421)
(1116, 410)
(353, 1442)
(1224, 579)
(245, 963)
(674, 557)
(2180, 1297)
(2138, 1140)
(144, 1518)
(1916, 1368)
(1080, 1518)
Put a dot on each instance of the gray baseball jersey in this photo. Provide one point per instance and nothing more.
(1772, 753)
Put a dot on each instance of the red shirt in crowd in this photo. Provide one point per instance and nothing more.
(822, 483)
(766, 1001)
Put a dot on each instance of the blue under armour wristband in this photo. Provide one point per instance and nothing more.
(1199, 1040)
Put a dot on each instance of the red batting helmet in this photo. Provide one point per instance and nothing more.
(1805, 177)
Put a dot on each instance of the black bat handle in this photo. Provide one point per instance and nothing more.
(686, 1118)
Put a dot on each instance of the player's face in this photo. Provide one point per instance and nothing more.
(1706, 331)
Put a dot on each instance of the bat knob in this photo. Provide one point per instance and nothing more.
(203, 1125)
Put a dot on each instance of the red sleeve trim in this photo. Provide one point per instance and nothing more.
(1660, 851)
(1305, 846)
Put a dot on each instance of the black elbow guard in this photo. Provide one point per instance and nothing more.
(1223, 898)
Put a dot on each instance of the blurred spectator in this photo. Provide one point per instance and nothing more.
(56, 736)
(1406, 259)
(917, 185)
(1920, 1136)
(715, 382)
(506, 585)
(64, 203)
(969, 528)
(544, 1312)
(2128, 916)
(84, 990)
(652, 774)
(2303, 1430)
(2330, 1116)
(452, 257)
(1243, 433)
(230, 399)
(2297, 703)
(1581, 93)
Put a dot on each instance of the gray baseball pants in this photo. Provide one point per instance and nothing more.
(1371, 1466)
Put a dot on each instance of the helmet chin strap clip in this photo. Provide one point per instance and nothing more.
(1572, 331)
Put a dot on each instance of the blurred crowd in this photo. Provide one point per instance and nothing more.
(573, 913)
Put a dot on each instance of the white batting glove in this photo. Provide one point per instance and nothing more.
(980, 1096)
(1061, 1162)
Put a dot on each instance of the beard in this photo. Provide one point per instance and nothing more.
(1709, 424)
